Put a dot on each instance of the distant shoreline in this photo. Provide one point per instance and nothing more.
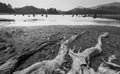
(107, 16)
(114, 16)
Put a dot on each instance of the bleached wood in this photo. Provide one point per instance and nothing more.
(105, 67)
(47, 66)
(79, 65)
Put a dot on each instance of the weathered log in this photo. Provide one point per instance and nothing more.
(48, 66)
(10, 65)
(80, 64)
(109, 67)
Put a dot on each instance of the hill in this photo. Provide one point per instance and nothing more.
(109, 7)
(30, 10)
(86, 11)
(114, 4)
(112, 9)
(100, 9)
(35, 10)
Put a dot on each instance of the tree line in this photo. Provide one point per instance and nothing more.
(34, 10)
(6, 8)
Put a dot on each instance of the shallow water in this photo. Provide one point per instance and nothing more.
(39, 20)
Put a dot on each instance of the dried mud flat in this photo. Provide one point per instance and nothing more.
(45, 40)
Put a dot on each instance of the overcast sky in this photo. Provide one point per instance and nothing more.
(59, 4)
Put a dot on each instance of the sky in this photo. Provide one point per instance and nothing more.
(59, 4)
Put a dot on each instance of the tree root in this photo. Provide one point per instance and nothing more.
(48, 66)
(80, 64)
(109, 67)
(11, 64)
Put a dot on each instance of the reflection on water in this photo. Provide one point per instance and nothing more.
(107, 22)
(33, 20)
(39, 20)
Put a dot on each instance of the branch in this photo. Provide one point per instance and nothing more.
(11, 64)
(80, 64)
(49, 65)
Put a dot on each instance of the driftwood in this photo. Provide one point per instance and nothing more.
(48, 66)
(80, 64)
(109, 67)
(10, 65)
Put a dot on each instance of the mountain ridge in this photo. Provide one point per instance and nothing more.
(81, 7)
(117, 4)
(99, 9)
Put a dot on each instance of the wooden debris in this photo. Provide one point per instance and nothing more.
(10, 65)
(48, 66)
(80, 65)
(109, 67)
